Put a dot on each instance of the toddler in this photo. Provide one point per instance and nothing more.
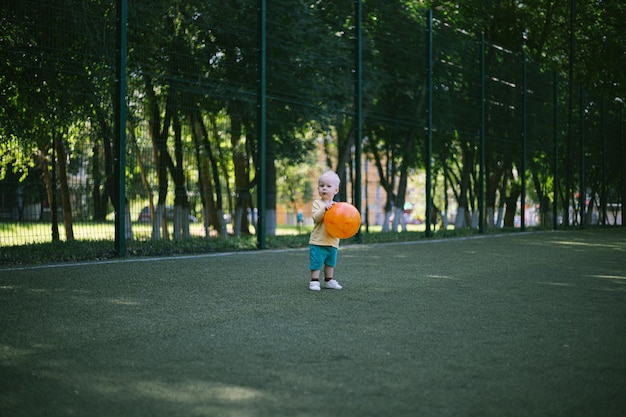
(322, 246)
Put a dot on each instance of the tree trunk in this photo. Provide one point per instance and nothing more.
(50, 189)
(345, 142)
(491, 191)
(544, 201)
(181, 201)
(198, 134)
(160, 155)
(65, 191)
(463, 213)
(386, 181)
(102, 172)
(511, 206)
(206, 194)
(399, 220)
(242, 178)
(98, 197)
(142, 169)
(219, 201)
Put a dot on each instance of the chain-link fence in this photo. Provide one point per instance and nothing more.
(510, 147)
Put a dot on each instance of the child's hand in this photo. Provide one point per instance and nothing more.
(329, 204)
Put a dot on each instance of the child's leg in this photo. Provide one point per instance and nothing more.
(329, 271)
(316, 261)
(314, 285)
(329, 281)
(315, 275)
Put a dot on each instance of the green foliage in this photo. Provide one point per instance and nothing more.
(72, 251)
(198, 57)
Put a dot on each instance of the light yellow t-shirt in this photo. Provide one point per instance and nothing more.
(319, 235)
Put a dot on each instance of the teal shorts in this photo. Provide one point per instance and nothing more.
(322, 255)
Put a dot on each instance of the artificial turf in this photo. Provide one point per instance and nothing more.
(526, 324)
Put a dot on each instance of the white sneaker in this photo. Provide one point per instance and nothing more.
(314, 286)
(332, 284)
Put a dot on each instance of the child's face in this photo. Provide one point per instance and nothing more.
(327, 189)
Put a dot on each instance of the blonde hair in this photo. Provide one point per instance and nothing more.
(331, 176)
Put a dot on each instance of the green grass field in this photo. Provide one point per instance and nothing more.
(530, 324)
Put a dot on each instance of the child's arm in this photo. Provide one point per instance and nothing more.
(318, 211)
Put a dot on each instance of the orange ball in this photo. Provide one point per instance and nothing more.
(342, 220)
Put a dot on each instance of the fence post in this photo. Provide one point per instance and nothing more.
(582, 193)
(358, 97)
(555, 107)
(262, 111)
(524, 143)
(603, 193)
(120, 129)
(570, 110)
(623, 157)
(429, 123)
(481, 185)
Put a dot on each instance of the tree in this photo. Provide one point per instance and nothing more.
(545, 29)
(50, 78)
